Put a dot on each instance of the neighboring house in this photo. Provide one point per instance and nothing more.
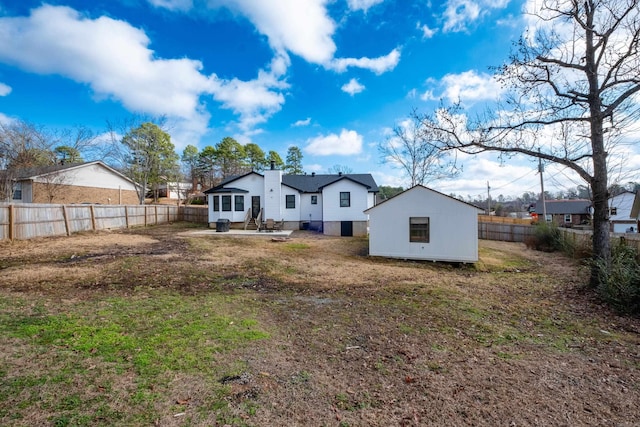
(421, 223)
(565, 213)
(92, 182)
(177, 190)
(333, 204)
(620, 218)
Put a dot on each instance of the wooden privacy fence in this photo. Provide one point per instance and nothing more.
(504, 219)
(504, 232)
(519, 232)
(28, 221)
(577, 238)
(194, 213)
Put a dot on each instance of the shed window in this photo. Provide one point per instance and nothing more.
(345, 199)
(613, 211)
(567, 217)
(216, 203)
(290, 200)
(239, 203)
(419, 229)
(314, 200)
(226, 203)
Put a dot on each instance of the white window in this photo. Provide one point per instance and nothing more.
(567, 218)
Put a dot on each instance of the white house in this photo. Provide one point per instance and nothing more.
(177, 190)
(334, 203)
(92, 182)
(424, 224)
(620, 218)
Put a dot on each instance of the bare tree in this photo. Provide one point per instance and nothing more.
(572, 90)
(336, 169)
(413, 150)
(23, 145)
(53, 182)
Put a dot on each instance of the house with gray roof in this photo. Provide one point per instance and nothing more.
(332, 203)
(565, 213)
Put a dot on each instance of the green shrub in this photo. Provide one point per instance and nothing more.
(620, 284)
(546, 237)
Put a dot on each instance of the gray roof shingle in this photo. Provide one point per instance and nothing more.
(313, 183)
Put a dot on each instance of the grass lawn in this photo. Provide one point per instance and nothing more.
(157, 326)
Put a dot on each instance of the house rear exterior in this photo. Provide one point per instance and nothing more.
(333, 204)
(423, 224)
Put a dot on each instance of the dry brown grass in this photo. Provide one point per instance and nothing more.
(353, 340)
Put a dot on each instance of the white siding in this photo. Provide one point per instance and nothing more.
(288, 214)
(274, 197)
(331, 201)
(91, 175)
(309, 212)
(453, 227)
(252, 183)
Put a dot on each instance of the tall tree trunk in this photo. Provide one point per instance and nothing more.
(601, 242)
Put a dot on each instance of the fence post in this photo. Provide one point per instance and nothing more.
(12, 222)
(93, 218)
(126, 215)
(65, 215)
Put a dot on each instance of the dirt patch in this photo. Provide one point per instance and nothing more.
(516, 339)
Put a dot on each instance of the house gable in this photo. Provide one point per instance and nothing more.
(92, 182)
(452, 227)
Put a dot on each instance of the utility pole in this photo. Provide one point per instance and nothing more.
(544, 203)
(488, 199)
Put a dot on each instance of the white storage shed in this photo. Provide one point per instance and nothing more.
(421, 223)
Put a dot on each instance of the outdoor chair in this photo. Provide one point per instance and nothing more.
(269, 224)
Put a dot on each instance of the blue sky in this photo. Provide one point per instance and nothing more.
(331, 77)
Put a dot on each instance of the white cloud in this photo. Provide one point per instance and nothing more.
(363, 5)
(459, 14)
(255, 100)
(352, 87)
(378, 65)
(300, 123)
(113, 58)
(347, 143)
(6, 120)
(467, 87)
(314, 167)
(303, 28)
(300, 27)
(4, 89)
(427, 32)
(110, 56)
(173, 4)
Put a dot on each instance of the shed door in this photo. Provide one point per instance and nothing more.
(346, 228)
(255, 206)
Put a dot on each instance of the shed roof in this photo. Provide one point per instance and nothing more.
(425, 188)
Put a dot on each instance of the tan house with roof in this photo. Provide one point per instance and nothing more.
(92, 182)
